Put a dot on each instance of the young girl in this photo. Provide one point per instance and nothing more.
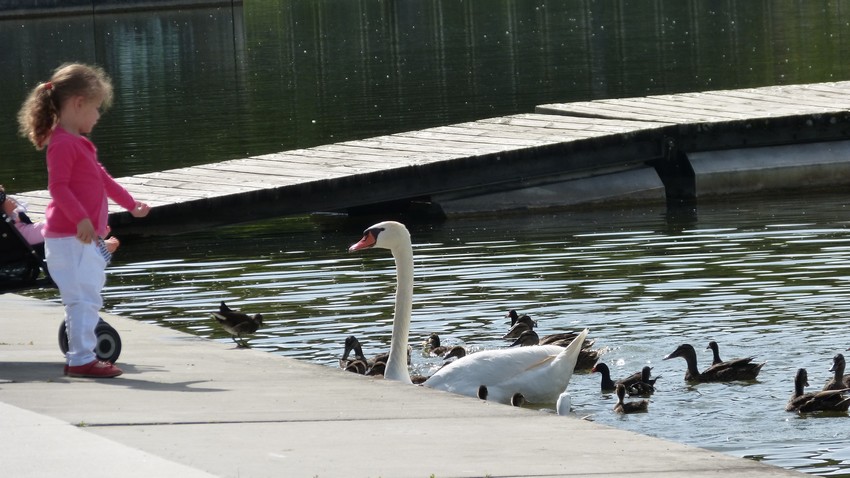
(59, 114)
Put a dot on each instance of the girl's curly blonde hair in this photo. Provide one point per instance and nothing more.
(40, 111)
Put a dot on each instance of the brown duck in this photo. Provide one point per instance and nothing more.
(622, 406)
(825, 400)
(638, 383)
(839, 380)
(738, 369)
(236, 323)
(586, 357)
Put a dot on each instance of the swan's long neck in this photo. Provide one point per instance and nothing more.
(397, 362)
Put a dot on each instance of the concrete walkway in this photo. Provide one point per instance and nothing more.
(190, 407)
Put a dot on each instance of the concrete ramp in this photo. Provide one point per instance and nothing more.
(799, 166)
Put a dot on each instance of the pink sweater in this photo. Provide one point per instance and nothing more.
(79, 186)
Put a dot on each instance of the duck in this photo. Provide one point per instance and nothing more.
(433, 347)
(738, 369)
(563, 339)
(645, 386)
(638, 383)
(586, 357)
(356, 366)
(839, 380)
(825, 400)
(539, 373)
(515, 317)
(455, 351)
(237, 323)
(622, 406)
(352, 344)
(715, 350)
(526, 339)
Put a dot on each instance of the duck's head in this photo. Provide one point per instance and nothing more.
(433, 340)
(684, 351)
(352, 344)
(837, 361)
(645, 373)
(621, 391)
(384, 235)
(513, 316)
(713, 346)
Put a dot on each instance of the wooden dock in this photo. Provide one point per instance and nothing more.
(557, 144)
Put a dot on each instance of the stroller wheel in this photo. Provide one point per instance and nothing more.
(108, 346)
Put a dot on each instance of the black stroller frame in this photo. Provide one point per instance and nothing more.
(22, 267)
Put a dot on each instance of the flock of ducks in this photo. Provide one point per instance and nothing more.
(532, 369)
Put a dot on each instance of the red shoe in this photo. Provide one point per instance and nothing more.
(95, 369)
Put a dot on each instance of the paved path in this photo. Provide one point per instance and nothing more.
(189, 407)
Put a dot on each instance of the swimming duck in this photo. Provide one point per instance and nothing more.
(715, 350)
(622, 406)
(645, 386)
(586, 357)
(355, 366)
(237, 323)
(353, 345)
(638, 383)
(839, 380)
(433, 347)
(738, 369)
(456, 351)
(512, 314)
(539, 373)
(562, 339)
(519, 327)
(825, 400)
(525, 339)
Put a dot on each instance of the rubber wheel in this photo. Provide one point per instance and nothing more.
(108, 346)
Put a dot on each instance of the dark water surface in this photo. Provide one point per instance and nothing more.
(202, 85)
(764, 277)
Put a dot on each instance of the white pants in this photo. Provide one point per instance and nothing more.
(78, 271)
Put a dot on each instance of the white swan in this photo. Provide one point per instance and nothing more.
(540, 373)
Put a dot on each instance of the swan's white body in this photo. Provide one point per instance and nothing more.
(540, 373)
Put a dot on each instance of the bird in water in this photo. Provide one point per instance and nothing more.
(237, 323)
(738, 369)
(637, 384)
(639, 406)
(823, 401)
(839, 380)
(586, 356)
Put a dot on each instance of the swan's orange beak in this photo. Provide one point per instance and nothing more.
(368, 241)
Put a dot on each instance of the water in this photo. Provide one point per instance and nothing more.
(765, 277)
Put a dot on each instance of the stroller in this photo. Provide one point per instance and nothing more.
(22, 267)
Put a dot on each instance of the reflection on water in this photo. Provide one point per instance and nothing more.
(203, 85)
(768, 278)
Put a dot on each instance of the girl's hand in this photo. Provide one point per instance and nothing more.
(85, 231)
(141, 209)
(112, 244)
